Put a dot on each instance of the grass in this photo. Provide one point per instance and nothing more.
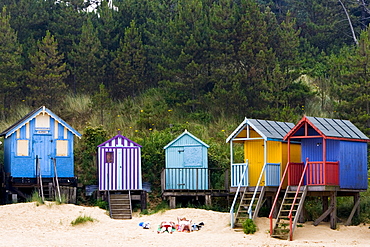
(63, 199)
(35, 197)
(82, 220)
(161, 207)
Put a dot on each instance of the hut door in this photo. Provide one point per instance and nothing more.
(119, 169)
(42, 148)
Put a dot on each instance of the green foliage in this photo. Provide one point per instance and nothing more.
(82, 220)
(102, 204)
(35, 197)
(161, 207)
(86, 167)
(62, 200)
(249, 227)
(10, 62)
(87, 58)
(47, 73)
(313, 207)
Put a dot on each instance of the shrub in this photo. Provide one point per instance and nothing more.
(102, 204)
(249, 227)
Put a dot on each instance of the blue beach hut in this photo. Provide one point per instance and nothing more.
(39, 136)
(186, 165)
(335, 151)
(334, 163)
(40, 145)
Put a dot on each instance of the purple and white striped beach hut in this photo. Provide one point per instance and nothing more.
(119, 164)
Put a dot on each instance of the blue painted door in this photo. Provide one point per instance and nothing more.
(42, 150)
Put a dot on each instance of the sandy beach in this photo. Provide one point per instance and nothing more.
(26, 224)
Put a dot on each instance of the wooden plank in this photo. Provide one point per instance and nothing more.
(349, 220)
(323, 216)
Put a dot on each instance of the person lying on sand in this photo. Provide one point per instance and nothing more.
(184, 224)
(168, 226)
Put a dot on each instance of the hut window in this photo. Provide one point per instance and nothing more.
(22, 147)
(62, 148)
(193, 156)
(109, 157)
(43, 121)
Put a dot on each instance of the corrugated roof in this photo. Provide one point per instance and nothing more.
(10, 130)
(266, 128)
(337, 128)
(189, 134)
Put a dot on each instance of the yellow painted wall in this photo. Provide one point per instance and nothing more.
(277, 152)
(295, 156)
(253, 152)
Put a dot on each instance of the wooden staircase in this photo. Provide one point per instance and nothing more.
(120, 206)
(289, 212)
(247, 203)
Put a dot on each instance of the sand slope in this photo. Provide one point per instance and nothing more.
(26, 224)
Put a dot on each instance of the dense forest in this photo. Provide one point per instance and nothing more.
(156, 67)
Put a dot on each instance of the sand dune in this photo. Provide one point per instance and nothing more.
(25, 224)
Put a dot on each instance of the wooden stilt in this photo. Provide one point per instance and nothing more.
(333, 214)
(355, 208)
(325, 206)
(172, 202)
(208, 200)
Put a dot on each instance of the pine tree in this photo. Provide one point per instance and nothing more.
(87, 59)
(129, 64)
(10, 62)
(47, 74)
(350, 70)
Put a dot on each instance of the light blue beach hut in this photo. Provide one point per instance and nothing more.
(186, 163)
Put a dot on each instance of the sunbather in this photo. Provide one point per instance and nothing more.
(184, 224)
(168, 226)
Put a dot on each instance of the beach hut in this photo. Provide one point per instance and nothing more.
(119, 169)
(186, 163)
(186, 173)
(265, 158)
(119, 164)
(38, 150)
(334, 163)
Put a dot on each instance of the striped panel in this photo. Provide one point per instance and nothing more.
(124, 173)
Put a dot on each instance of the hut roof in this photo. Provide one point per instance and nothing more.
(334, 128)
(189, 134)
(119, 136)
(27, 118)
(268, 130)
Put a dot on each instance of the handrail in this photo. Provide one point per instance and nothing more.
(294, 200)
(236, 196)
(255, 192)
(277, 196)
(56, 178)
(38, 167)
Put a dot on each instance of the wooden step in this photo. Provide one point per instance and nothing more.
(120, 206)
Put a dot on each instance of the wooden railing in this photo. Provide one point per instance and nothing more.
(239, 175)
(318, 173)
(242, 175)
(195, 179)
(290, 216)
(277, 196)
(272, 174)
